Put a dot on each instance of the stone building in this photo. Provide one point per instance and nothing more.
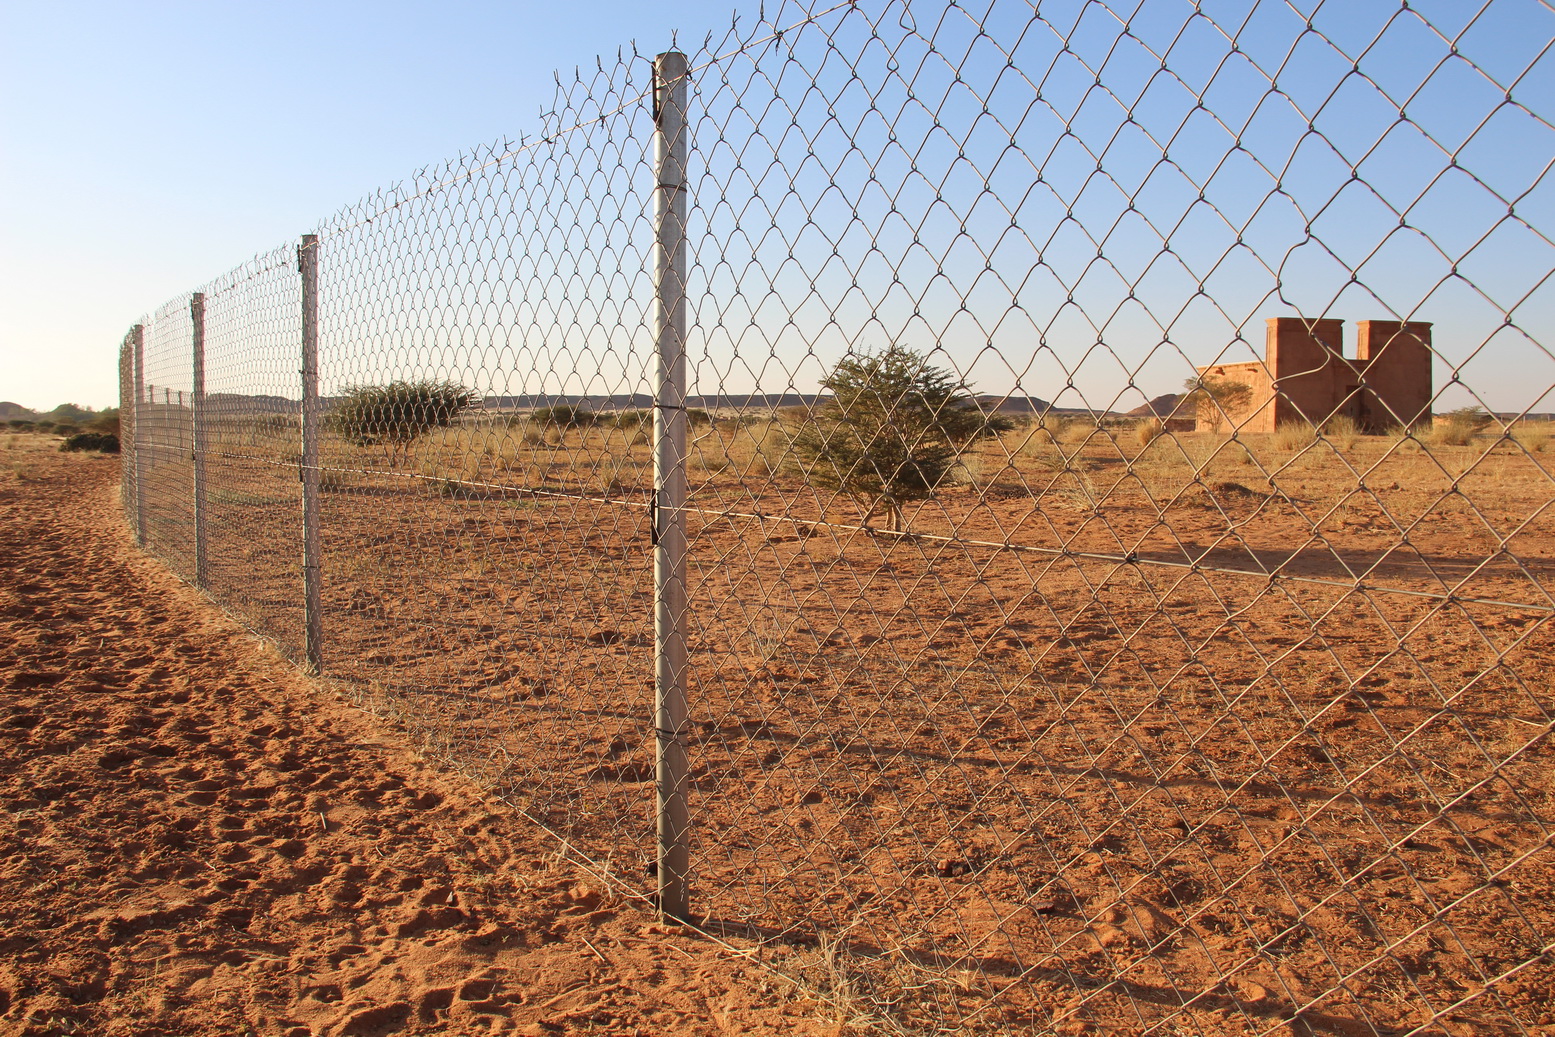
(1305, 378)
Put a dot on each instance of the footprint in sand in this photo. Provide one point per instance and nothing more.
(434, 1002)
(374, 1019)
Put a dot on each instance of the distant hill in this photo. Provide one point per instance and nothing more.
(16, 412)
(1013, 404)
(238, 404)
(533, 401)
(1160, 407)
(730, 401)
(71, 412)
(1032, 407)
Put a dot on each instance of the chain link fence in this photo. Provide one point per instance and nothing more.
(904, 491)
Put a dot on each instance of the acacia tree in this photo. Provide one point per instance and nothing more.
(892, 428)
(1215, 399)
(397, 413)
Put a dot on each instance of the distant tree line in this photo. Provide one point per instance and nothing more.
(65, 420)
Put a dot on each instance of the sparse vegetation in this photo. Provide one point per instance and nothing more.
(1147, 430)
(745, 449)
(1215, 400)
(1342, 432)
(563, 416)
(395, 414)
(1077, 433)
(890, 432)
(1036, 439)
(1295, 437)
(103, 443)
(474, 455)
(1457, 427)
(1532, 436)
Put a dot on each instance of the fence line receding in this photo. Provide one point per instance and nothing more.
(901, 489)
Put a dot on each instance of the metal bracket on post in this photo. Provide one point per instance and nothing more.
(669, 472)
(137, 431)
(198, 439)
(313, 622)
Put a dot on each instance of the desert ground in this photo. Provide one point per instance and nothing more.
(198, 840)
(1125, 734)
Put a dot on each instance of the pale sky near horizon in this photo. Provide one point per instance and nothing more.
(145, 149)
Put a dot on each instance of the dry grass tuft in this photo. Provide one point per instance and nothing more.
(1456, 428)
(1533, 436)
(968, 470)
(753, 449)
(470, 454)
(1076, 433)
(1293, 438)
(1342, 432)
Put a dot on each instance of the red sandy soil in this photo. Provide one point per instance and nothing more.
(992, 790)
(197, 840)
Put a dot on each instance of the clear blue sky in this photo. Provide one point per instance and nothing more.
(147, 146)
(150, 147)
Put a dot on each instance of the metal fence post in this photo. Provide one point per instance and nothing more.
(138, 435)
(197, 336)
(669, 471)
(313, 624)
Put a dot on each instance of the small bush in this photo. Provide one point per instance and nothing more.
(1037, 439)
(759, 449)
(969, 471)
(102, 442)
(1077, 433)
(1449, 435)
(1342, 432)
(889, 432)
(1533, 436)
(1476, 417)
(398, 412)
(1148, 430)
(1457, 427)
(563, 415)
(1294, 437)
(631, 420)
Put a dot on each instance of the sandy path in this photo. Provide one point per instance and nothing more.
(195, 840)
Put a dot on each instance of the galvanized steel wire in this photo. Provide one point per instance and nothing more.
(1157, 722)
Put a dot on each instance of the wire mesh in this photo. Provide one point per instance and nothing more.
(1081, 635)
(128, 394)
(164, 434)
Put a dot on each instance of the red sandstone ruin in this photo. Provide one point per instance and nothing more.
(1305, 378)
